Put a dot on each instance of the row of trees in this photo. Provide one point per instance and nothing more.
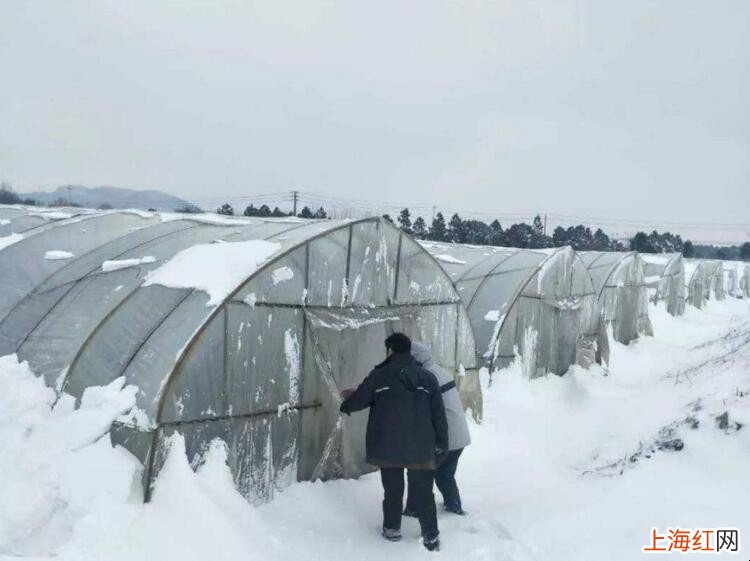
(9, 197)
(660, 243)
(265, 211)
(524, 235)
(734, 252)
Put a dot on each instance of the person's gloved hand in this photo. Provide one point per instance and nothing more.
(345, 394)
(440, 456)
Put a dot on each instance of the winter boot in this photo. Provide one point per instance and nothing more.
(391, 535)
(432, 544)
(455, 510)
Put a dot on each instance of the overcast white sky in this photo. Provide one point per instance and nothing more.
(609, 108)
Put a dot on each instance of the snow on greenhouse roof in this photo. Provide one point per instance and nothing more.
(445, 258)
(216, 268)
(205, 218)
(10, 240)
(56, 255)
(116, 264)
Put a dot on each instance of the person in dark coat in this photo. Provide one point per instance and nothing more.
(406, 429)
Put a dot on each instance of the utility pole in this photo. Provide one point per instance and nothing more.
(434, 210)
(545, 224)
(295, 198)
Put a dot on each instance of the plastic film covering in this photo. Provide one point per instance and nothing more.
(49, 327)
(263, 370)
(18, 223)
(732, 275)
(620, 281)
(277, 354)
(25, 264)
(23, 219)
(539, 304)
(665, 277)
(697, 283)
(705, 281)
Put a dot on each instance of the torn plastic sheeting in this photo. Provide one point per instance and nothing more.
(340, 320)
(572, 303)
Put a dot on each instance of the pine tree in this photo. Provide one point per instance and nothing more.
(306, 213)
(519, 235)
(538, 225)
(264, 211)
(438, 231)
(601, 241)
(538, 239)
(560, 237)
(387, 217)
(476, 232)
(456, 232)
(744, 250)
(420, 228)
(278, 213)
(250, 211)
(7, 195)
(404, 221)
(188, 209)
(225, 209)
(497, 236)
(641, 242)
(320, 213)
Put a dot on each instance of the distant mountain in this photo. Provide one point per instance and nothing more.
(116, 197)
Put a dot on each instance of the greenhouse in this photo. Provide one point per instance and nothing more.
(744, 282)
(665, 276)
(620, 283)
(705, 280)
(732, 279)
(717, 275)
(697, 283)
(238, 329)
(540, 304)
(736, 279)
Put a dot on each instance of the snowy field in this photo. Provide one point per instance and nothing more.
(573, 468)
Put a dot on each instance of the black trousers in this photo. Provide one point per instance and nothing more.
(445, 479)
(420, 492)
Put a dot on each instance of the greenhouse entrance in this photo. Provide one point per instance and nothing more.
(345, 346)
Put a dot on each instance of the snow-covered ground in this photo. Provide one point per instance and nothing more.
(562, 468)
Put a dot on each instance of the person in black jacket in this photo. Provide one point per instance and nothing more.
(406, 429)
